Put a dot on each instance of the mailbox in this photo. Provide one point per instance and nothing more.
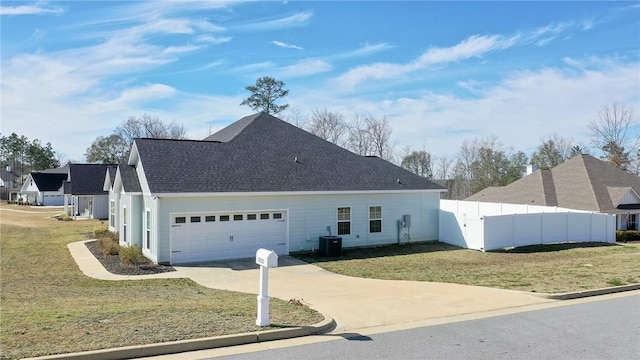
(267, 258)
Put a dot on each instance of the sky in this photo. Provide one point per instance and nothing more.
(439, 72)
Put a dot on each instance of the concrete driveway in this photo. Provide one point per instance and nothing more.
(357, 303)
(354, 303)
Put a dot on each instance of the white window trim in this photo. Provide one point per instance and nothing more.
(370, 219)
(338, 221)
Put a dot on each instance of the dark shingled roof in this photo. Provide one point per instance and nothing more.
(87, 179)
(582, 182)
(48, 181)
(129, 178)
(261, 153)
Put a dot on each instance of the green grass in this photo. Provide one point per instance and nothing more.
(47, 306)
(541, 268)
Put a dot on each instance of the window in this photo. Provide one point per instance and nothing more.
(181, 220)
(238, 217)
(264, 216)
(148, 230)
(210, 218)
(224, 217)
(375, 219)
(251, 216)
(344, 220)
(631, 222)
(277, 215)
(124, 225)
(195, 219)
(112, 214)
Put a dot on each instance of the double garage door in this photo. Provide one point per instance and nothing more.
(228, 235)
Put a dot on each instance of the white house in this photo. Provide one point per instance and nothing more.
(83, 191)
(261, 182)
(44, 187)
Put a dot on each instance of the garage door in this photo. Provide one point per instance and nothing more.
(229, 235)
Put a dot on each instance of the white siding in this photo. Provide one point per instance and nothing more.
(309, 216)
(101, 206)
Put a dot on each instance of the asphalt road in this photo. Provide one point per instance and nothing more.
(606, 329)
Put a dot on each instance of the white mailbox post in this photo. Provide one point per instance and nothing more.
(266, 259)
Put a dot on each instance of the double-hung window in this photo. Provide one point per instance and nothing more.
(147, 240)
(344, 220)
(375, 219)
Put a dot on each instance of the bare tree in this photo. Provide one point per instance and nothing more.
(148, 126)
(328, 125)
(380, 134)
(442, 167)
(359, 140)
(610, 133)
(296, 117)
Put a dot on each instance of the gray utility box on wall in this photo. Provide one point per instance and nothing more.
(330, 246)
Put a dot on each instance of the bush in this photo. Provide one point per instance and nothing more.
(100, 232)
(627, 235)
(108, 245)
(64, 217)
(132, 256)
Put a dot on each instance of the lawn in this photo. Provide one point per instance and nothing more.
(547, 269)
(47, 306)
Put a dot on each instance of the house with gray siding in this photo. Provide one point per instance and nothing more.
(262, 183)
(84, 195)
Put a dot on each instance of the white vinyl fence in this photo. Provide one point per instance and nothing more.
(489, 226)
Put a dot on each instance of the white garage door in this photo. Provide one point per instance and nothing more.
(230, 235)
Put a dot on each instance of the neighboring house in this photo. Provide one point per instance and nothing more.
(44, 187)
(83, 191)
(583, 183)
(8, 181)
(262, 182)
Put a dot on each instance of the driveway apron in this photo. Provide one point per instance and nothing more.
(357, 303)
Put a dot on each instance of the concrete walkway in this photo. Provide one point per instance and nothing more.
(354, 303)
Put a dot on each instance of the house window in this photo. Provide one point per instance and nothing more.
(238, 217)
(344, 220)
(124, 225)
(224, 217)
(277, 215)
(112, 214)
(631, 222)
(375, 219)
(195, 219)
(181, 220)
(148, 230)
(210, 218)
(251, 216)
(264, 216)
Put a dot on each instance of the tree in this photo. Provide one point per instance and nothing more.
(610, 134)
(112, 149)
(148, 126)
(553, 151)
(380, 136)
(328, 125)
(24, 156)
(419, 163)
(358, 139)
(264, 95)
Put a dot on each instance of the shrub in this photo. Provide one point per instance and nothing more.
(627, 235)
(101, 232)
(108, 245)
(64, 217)
(132, 256)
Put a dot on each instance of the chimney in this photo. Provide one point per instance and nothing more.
(531, 169)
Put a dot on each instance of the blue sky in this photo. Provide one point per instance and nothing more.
(440, 72)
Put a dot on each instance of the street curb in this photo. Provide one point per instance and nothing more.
(587, 293)
(180, 346)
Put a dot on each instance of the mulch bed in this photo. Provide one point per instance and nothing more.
(114, 265)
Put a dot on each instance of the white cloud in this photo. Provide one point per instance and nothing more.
(299, 19)
(304, 68)
(367, 49)
(208, 39)
(35, 9)
(286, 46)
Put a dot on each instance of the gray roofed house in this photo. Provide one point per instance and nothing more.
(43, 188)
(84, 192)
(582, 182)
(262, 182)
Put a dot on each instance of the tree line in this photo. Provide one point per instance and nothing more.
(23, 155)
